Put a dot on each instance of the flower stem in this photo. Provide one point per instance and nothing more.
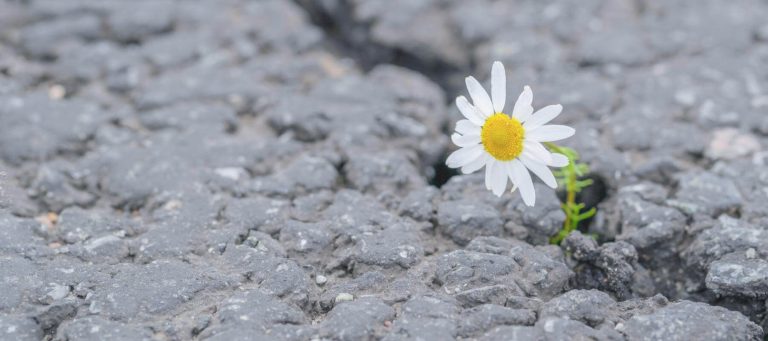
(569, 176)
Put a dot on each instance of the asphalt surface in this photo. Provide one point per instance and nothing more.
(274, 170)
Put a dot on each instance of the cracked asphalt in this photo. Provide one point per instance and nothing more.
(274, 170)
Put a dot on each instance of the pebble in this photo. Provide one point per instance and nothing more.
(751, 253)
(344, 297)
(730, 143)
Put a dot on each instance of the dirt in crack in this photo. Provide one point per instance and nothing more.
(590, 196)
(441, 173)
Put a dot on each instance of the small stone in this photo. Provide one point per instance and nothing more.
(344, 297)
(685, 97)
(57, 92)
(366, 284)
(58, 291)
(580, 246)
(730, 143)
(321, 280)
(232, 173)
(49, 219)
(751, 253)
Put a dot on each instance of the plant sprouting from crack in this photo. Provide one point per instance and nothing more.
(570, 177)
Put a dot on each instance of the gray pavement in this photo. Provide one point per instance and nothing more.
(274, 170)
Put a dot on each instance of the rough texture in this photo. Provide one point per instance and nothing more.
(274, 170)
(688, 320)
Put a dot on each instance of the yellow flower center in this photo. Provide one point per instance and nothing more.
(502, 137)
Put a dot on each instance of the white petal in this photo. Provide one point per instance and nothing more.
(541, 170)
(558, 160)
(479, 97)
(498, 178)
(475, 165)
(508, 170)
(489, 172)
(523, 108)
(543, 116)
(523, 180)
(469, 111)
(466, 127)
(465, 140)
(536, 151)
(549, 133)
(463, 156)
(498, 86)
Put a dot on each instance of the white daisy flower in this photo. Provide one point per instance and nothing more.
(507, 145)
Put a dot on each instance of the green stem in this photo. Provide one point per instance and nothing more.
(569, 176)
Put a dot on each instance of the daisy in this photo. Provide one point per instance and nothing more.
(507, 145)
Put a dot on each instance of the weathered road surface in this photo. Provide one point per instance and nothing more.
(272, 170)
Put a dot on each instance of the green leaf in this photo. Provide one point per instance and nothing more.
(568, 177)
(587, 214)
